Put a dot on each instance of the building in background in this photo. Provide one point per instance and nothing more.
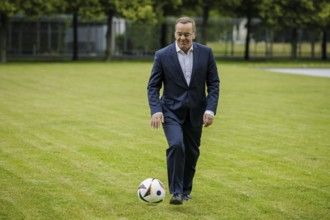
(53, 37)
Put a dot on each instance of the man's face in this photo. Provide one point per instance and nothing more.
(184, 35)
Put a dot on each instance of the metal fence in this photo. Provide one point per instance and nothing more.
(52, 37)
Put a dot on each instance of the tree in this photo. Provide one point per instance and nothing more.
(322, 21)
(203, 7)
(86, 9)
(248, 9)
(241, 8)
(109, 7)
(164, 9)
(293, 14)
(8, 8)
(30, 8)
(206, 7)
(37, 8)
(134, 10)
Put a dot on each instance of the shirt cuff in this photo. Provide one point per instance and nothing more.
(208, 112)
(157, 113)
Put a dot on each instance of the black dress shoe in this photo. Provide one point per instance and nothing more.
(176, 199)
(187, 198)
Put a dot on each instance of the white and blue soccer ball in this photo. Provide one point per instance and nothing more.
(151, 191)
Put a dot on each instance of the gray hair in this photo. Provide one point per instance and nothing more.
(185, 20)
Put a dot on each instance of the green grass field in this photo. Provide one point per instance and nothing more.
(75, 143)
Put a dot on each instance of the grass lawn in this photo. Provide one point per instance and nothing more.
(75, 143)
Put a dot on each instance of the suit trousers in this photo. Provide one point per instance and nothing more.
(182, 154)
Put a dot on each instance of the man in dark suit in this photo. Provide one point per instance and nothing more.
(185, 69)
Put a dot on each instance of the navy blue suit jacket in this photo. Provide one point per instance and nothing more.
(179, 99)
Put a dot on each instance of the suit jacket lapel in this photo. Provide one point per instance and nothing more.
(195, 61)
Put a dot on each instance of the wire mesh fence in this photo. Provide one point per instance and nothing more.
(53, 37)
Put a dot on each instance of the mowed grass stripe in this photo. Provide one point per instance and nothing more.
(70, 122)
(274, 128)
(76, 141)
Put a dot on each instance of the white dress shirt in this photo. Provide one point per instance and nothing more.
(186, 61)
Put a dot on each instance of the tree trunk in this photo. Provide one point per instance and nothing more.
(232, 41)
(206, 10)
(75, 36)
(226, 43)
(59, 38)
(267, 43)
(36, 46)
(3, 36)
(294, 43)
(108, 52)
(324, 45)
(271, 44)
(247, 39)
(313, 49)
(163, 35)
(237, 36)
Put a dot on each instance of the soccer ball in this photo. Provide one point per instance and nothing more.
(151, 191)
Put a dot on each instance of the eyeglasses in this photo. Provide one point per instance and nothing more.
(186, 35)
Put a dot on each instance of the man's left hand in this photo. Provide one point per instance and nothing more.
(207, 120)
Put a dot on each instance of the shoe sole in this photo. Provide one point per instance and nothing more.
(186, 198)
(176, 202)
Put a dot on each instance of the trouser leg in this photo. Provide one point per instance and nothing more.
(192, 138)
(182, 155)
(175, 155)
